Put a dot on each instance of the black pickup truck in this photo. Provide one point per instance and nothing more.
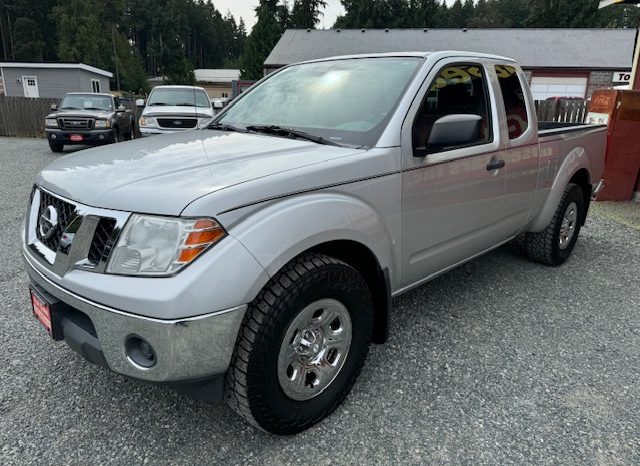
(90, 119)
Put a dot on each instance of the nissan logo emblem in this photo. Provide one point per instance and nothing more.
(48, 222)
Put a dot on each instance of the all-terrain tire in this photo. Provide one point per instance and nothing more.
(253, 389)
(545, 246)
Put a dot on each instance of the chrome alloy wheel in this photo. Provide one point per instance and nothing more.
(568, 226)
(314, 349)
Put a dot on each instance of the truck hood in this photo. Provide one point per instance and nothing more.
(163, 174)
(161, 110)
(80, 113)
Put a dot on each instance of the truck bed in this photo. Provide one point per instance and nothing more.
(554, 128)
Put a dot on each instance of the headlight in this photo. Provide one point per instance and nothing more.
(152, 245)
(202, 122)
(51, 123)
(102, 124)
(146, 121)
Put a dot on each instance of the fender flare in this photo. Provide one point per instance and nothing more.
(575, 161)
(277, 233)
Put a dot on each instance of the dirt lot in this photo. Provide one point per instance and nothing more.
(500, 361)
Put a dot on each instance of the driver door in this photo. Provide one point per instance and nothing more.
(453, 196)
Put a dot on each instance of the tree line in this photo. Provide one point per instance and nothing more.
(170, 38)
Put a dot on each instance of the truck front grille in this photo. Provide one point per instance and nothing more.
(75, 123)
(67, 220)
(103, 241)
(177, 123)
(65, 215)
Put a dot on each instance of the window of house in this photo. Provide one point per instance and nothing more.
(458, 89)
(95, 85)
(225, 95)
(515, 104)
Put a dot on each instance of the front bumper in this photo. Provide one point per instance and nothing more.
(154, 130)
(186, 349)
(89, 137)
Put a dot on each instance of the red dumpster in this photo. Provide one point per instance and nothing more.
(620, 110)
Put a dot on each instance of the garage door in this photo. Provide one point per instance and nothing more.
(544, 87)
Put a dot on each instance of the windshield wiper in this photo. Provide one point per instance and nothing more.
(69, 108)
(291, 133)
(95, 108)
(157, 103)
(225, 127)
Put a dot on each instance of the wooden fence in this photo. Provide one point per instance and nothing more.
(562, 111)
(22, 116)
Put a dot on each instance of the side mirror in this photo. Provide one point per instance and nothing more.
(140, 103)
(454, 130)
(121, 109)
(54, 107)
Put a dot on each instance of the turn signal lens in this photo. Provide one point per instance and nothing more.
(187, 255)
(202, 237)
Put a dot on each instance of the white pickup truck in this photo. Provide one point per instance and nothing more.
(258, 257)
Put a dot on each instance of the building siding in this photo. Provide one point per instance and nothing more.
(598, 80)
(52, 82)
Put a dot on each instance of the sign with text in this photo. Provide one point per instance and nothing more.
(621, 77)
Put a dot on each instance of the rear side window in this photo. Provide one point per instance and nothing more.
(458, 89)
(514, 102)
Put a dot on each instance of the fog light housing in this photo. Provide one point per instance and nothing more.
(53, 136)
(140, 352)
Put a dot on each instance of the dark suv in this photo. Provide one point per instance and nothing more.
(90, 119)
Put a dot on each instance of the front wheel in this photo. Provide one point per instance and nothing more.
(56, 146)
(301, 346)
(116, 136)
(554, 244)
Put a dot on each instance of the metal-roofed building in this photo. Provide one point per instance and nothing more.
(558, 62)
(52, 79)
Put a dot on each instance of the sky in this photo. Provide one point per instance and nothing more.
(244, 9)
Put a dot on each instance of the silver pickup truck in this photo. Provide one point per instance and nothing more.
(256, 259)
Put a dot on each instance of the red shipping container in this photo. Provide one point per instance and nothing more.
(620, 109)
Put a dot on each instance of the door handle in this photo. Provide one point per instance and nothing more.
(495, 164)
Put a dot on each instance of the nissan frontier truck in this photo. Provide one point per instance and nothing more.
(256, 259)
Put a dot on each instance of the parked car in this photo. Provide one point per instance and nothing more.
(258, 257)
(88, 118)
(170, 109)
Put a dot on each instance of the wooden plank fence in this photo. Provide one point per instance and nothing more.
(562, 111)
(24, 117)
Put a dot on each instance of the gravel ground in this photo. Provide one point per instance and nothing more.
(500, 361)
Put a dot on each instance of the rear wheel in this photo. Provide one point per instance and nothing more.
(554, 244)
(56, 146)
(301, 346)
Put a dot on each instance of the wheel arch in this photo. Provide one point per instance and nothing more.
(583, 179)
(354, 233)
(361, 258)
(574, 170)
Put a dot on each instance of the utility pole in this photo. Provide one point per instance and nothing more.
(635, 79)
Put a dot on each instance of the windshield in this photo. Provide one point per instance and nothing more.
(86, 101)
(186, 97)
(344, 101)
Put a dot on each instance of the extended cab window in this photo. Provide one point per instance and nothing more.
(514, 101)
(458, 90)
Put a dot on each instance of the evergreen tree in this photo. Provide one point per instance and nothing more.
(264, 36)
(306, 13)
